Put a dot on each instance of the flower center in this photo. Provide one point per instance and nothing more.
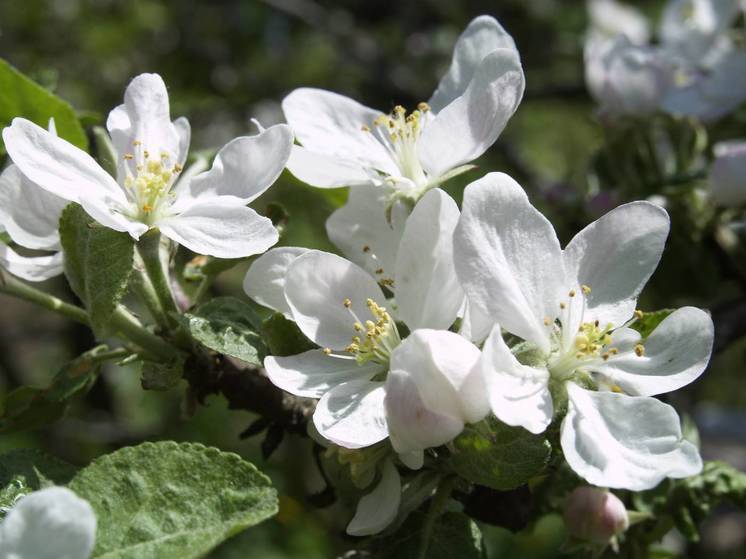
(398, 132)
(151, 182)
(375, 339)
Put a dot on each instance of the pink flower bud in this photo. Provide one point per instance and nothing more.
(595, 515)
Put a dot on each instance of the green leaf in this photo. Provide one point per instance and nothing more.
(27, 407)
(650, 321)
(105, 152)
(227, 325)
(498, 456)
(162, 376)
(283, 337)
(454, 536)
(168, 500)
(25, 470)
(98, 263)
(25, 98)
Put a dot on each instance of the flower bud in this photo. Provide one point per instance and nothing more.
(595, 515)
(728, 174)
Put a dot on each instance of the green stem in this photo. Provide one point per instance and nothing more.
(433, 512)
(111, 354)
(149, 247)
(16, 288)
(142, 285)
(127, 325)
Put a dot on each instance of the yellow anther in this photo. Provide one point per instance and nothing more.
(178, 168)
(572, 293)
(563, 306)
(347, 303)
(424, 107)
(136, 143)
(639, 314)
(618, 389)
(358, 327)
(581, 341)
(586, 289)
(366, 248)
(639, 350)
(327, 351)
(146, 154)
(388, 282)
(365, 128)
(147, 208)
(613, 350)
(399, 110)
(547, 321)
(379, 271)
(128, 156)
(606, 356)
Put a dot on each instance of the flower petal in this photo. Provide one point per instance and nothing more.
(508, 258)
(326, 171)
(224, 229)
(625, 442)
(376, 510)
(413, 426)
(362, 232)
(482, 36)
(727, 176)
(316, 287)
(332, 124)
(244, 168)
(440, 364)
(53, 523)
(29, 214)
(428, 293)
(313, 373)
(676, 353)
(352, 415)
(519, 395)
(68, 172)
(615, 256)
(475, 325)
(30, 268)
(471, 123)
(265, 280)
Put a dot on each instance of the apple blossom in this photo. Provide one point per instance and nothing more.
(609, 19)
(728, 173)
(52, 523)
(594, 515)
(345, 143)
(207, 213)
(574, 307)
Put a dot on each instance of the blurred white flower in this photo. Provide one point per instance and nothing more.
(574, 307)
(609, 19)
(345, 143)
(341, 308)
(52, 523)
(728, 173)
(594, 515)
(30, 216)
(207, 213)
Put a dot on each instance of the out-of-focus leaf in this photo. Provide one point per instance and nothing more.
(227, 325)
(171, 500)
(23, 97)
(283, 337)
(27, 407)
(25, 470)
(98, 263)
(650, 321)
(498, 456)
(105, 152)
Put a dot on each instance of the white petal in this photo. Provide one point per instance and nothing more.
(610, 18)
(352, 415)
(29, 214)
(475, 325)
(224, 229)
(332, 124)
(30, 268)
(244, 168)
(728, 173)
(440, 363)
(508, 258)
(676, 353)
(265, 280)
(362, 232)
(625, 442)
(470, 124)
(427, 289)
(53, 523)
(615, 256)
(378, 509)
(482, 36)
(326, 171)
(68, 172)
(413, 426)
(519, 395)
(316, 287)
(312, 373)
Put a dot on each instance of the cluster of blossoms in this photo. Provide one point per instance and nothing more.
(696, 69)
(412, 327)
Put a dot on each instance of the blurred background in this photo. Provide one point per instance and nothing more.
(226, 62)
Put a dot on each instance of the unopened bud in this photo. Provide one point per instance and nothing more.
(595, 515)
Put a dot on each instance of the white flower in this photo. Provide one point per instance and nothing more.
(341, 308)
(595, 515)
(609, 19)
(378, 508)
(345, 143)
(728, 173)
(30, 216)
(690, 28)
(53, 523)
(574, 308)
(207, 213)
